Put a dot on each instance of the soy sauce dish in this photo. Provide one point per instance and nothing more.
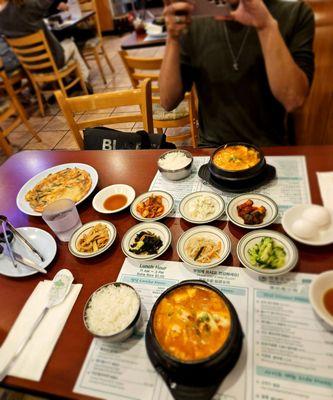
(193, 338)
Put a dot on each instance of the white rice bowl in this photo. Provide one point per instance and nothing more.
(111, 309)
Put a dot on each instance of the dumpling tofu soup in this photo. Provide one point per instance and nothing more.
(192, 323)
(113, 312)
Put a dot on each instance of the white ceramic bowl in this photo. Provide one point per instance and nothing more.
(254, 237)
(216, 200)
(272, 210)
(84, 229)
(155, 227)
(318, 287)
(167, 201)
(207, 231)
(108, 191)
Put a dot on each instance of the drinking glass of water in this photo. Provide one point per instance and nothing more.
(62, 217)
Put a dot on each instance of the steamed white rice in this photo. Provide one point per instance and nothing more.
(111, 309)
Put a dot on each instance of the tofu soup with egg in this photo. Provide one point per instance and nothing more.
(192, 323)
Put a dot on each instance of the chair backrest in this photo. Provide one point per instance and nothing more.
(131, 97)
(90, 5)
(139, 68)
(314, 122)
(34, 53)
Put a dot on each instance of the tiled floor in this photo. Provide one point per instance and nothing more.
(53, 129)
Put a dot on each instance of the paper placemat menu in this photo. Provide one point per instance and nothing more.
(289, 188)
(286, 353)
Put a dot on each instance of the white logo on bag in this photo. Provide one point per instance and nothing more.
(109, 144)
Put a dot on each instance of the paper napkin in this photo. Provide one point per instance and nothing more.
(34, 357)
(325, 180)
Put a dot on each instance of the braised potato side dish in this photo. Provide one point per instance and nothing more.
(192, 322)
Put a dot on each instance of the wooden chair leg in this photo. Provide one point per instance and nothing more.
(39, 100)
(98, 62)
(82, 82)
(107, 59)
(4, 144)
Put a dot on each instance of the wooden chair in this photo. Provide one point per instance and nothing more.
(314, 122)
(185, 114)
(18, 80)
(94, 47)
(131, 97)
(35, 56)
(11, 112)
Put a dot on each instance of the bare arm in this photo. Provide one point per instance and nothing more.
(287, 81)
(170, 82)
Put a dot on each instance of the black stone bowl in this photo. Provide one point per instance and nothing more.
(238, 175)
(195, 380)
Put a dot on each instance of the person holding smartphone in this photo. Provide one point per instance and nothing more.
(250, 66)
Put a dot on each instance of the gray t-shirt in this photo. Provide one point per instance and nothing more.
(17, 21)
(239, 105)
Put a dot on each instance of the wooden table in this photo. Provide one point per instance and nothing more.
(136, 168)
(71, 23)
(137, 41)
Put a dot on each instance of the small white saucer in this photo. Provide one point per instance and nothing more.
(217, 201)
(167, 201)
(156, 228)
(272, 210)
(84, 229)
(324, 236)
(41, 240)
(318, 288)
(108, 191)
(207, 231)
(254, 237)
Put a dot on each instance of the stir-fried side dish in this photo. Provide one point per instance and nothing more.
(235, 158)
(252, 215)
(192, 322)
(95, 239)
(70, 183)
(203, 250)
(152, 207)
(267, 254)
(146, 242)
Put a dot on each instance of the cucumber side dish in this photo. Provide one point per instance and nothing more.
(267, 254)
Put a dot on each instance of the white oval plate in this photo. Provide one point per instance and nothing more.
(318, 288)
(216, 199)
(324, 236)
(251, 238)
(41, 240)
(83, 229)
(24, 205)
(272, 210)
(167, 200)
(155, 227)
(210, 232)
(108, 191)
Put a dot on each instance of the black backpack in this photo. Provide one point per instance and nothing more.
(101, 138)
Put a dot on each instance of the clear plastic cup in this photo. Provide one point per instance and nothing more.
(62, 217)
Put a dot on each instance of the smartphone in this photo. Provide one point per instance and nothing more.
(212, 8)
